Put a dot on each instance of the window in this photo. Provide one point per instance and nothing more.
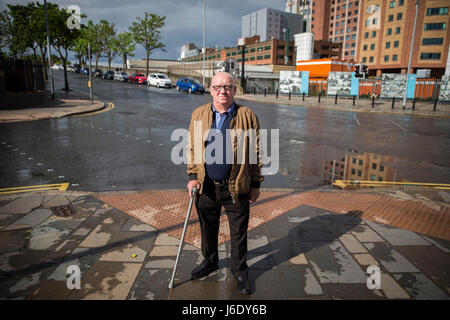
(386, 58)
(394, 58)
(359, 173)
(352, 52)
(372, 46)
(260, 57)
(392, 4)
(354, 160)
(397, 30)
(388, 45)
(435, 26)
(360, 162)
(389, 31)
(396, 44)
(400, 2)
(391, 18)
(364, 59)
(366, 35)
(267, 56)
(381, 167)
(374, 34)
(347, 46)
(365, 47)
(432, 41)
(372, 178)
(430, 55)
(370, 59)
(353, 171)
(437, 11)
(374, 166)
(399, 16)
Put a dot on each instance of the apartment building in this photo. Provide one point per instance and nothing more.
(303, 8)
(386, 28)
(337, 21)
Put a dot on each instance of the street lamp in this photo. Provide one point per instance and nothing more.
(410, 55)
(203, 48)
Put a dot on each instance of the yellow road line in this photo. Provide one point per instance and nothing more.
(344, 183)
(109, 107)
(56, 186)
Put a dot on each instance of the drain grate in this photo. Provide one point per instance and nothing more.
(63, 211)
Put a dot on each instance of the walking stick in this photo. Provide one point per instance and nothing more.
(194, 191)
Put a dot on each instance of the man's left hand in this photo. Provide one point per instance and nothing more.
(254, 195)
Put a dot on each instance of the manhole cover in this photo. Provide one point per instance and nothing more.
(63, 211)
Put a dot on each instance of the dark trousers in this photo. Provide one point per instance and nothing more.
(209, 205)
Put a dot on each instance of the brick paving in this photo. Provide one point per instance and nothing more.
(310, 245)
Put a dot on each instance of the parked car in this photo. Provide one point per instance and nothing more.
(137, 78)
(77, 68)
(70, 68)
(84, 70)
(121, 76)
(109, 75)
(159, 80)
(97, 73)
(57, 67)
(190, 85)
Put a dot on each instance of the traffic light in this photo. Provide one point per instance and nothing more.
(357, 71)
(365, 72)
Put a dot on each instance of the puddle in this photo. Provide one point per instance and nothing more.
(358, 170)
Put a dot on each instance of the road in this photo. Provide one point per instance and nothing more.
(129, 147)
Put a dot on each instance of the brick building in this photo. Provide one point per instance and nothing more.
(337, 21)
(386, 28)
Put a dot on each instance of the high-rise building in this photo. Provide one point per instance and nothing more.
(337, 21)
(301, 7)
(386, 28)
(271, 23)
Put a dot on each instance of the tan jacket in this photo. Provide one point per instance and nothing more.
(244, 175)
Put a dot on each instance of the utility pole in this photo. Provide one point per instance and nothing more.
(91, 94)
(286, 38)
(203, 48)
(410, 55)
(48, 50)
(243, 82)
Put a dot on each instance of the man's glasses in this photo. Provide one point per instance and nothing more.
(219, 88)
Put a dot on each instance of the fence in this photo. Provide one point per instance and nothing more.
(21, 75)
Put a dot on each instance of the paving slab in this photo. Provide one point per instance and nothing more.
(365, 234)
(390, 258)
(420, 287)
(35, 217)
(333, 264)
(391, 289)
(396, 236)
(22, 204)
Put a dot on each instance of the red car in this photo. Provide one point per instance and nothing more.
(138, 78)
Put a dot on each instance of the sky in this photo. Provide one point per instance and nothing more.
(183, 23)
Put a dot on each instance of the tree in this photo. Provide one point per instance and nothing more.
(124, 45)
(95, 38)
(63, 39)
(5, 30)
(146, 32)
(108, 33)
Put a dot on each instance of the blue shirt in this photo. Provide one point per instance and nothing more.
(220, 171)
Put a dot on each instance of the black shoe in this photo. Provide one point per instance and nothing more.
(243, 285)
(204, 269)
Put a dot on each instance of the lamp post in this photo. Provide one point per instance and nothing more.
(48, 50)
(410, 55)
(203, 48)
(243, 84)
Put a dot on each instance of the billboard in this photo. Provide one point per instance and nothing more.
(393, 85)
(444, 92)
(295, 82)
(339, 83)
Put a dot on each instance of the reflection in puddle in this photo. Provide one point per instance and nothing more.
(362, 170)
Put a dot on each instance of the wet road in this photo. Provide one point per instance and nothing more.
(129, 148)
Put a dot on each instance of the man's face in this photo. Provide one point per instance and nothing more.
(222, 90)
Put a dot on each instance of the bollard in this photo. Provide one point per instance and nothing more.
(276, 93)
(335, 99)
(393, 102)
(354, 98)
(303, 96)
(373, 101)
(289, 94)
(254, 91)
(435, 103)
(414, 104)
(320, 93)
(265, 92)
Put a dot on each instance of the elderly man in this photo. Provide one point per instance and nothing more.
(232, 184)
